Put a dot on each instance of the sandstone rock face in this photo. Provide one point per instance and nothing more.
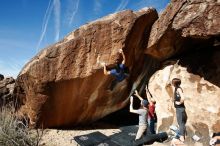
(201, 100)
(64, 85)
(188, 31)
(6, 89)
(1, 77)
(181, 24)
(199, 19)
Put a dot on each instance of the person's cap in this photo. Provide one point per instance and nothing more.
(145, 103)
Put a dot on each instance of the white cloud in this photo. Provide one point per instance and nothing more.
(97, 6)
(142, 3)
(13, 44)
(122, 5)
(54, 6)
(57, 18)
(45, 23)
(11, 67)
(72, 9)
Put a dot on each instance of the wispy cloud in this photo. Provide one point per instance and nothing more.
(11, 67)
(122, 5)
(54, 7)
(72, 9)
(45, 23)
(13, 59)
(97, 6)
(56, 4)
(14, 44)
(142, 2)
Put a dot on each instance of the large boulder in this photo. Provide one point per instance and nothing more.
(183, 25)
(64, 85)
(201, 95)
(6, 90)
(188, 31)
(1, 77)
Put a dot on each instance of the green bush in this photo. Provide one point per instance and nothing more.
(14, 132)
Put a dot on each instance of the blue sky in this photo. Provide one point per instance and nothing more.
(27, 26)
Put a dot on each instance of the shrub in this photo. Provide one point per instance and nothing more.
(14, 132)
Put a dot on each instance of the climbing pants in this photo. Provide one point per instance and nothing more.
(141, 130)
(181, 120)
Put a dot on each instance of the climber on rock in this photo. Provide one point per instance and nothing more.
(119, 71)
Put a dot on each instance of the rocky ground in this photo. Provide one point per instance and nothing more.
(6, 89)
(55, 137)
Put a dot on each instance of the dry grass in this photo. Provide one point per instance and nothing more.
(14, 132)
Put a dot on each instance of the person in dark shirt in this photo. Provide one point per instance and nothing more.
(118, 71)
(181, 115)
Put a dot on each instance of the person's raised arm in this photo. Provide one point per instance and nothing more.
(131, 106)
(138, 96)
(98, 59)
(149, 98)
(217, 137)
(123, 55)
(214, 140)
(170, 72)
(180, 91)
(105, 70)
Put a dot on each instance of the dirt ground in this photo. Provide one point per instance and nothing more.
(55, 137)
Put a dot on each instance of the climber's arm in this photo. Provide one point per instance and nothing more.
(106, 72)
(123, 55)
